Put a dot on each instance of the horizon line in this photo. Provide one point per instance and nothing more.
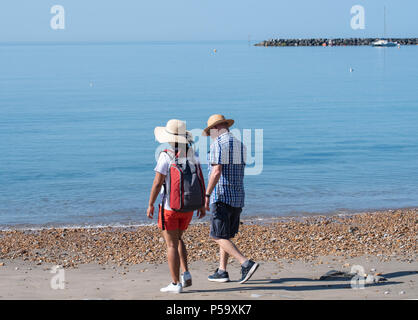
(177, 40)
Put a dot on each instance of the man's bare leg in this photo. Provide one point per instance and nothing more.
(229, 247)
(223, 259)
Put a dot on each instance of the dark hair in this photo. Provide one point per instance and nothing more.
(189, 146)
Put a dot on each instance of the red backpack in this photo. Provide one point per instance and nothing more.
(185, 187)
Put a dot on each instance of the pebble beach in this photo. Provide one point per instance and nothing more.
(296, 256)
(384, 234)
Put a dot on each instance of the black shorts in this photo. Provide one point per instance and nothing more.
(224, 221)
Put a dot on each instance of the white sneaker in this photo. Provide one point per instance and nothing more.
(186, 279)
(174, 288)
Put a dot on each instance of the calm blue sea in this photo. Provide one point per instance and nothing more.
(77, 120)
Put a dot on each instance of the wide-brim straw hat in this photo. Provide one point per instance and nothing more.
(174, 131)
(214, 120)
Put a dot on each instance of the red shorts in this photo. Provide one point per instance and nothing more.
(174, 220)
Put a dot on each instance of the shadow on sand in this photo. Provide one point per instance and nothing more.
(264, 284)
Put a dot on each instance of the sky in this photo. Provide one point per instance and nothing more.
(194, 20)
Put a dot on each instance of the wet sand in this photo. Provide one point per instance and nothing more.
(129, 263)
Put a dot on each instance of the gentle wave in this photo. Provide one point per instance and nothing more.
(251, 219)
(95, 226)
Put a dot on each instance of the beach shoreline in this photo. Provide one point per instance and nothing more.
(130, 263)
(387, 232)
(245, 218)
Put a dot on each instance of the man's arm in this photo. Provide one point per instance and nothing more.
(155, 190)
(213, 180)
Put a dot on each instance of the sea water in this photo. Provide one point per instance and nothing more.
(340, 125)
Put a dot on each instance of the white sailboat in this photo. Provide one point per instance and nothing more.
(384, 42)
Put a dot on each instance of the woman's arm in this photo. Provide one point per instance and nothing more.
(155, 190)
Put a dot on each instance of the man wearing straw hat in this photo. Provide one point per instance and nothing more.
(225, 195)
(173, 223)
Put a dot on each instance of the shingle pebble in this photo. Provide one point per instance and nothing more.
(384, 234)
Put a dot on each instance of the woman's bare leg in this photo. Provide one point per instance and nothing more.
(183, 253)
(173, 256)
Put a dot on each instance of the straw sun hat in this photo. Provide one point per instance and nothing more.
(174, 131)
(214, 120)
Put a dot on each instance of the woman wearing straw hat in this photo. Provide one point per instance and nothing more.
(173, 223)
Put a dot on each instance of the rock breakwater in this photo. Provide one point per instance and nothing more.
(332, 42)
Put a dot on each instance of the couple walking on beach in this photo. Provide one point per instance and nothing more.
(178, 175)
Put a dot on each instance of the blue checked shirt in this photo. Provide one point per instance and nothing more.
(230, 152)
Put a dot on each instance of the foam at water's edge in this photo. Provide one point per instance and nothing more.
(99, 226)
(251, 219)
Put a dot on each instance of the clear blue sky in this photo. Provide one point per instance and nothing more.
(139, 20)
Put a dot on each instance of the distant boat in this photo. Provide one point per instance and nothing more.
(383, 42)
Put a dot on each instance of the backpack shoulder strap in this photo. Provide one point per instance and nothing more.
(170, 153)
